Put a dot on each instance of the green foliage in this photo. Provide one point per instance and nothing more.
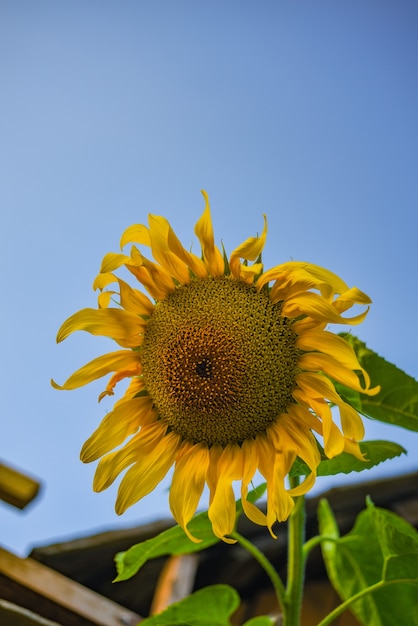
(174, 541)
(397, 401)
(374, 452)
(379, 554)
(171, 541)
(211, 606)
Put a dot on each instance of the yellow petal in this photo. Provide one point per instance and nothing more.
(104, 279)
(351, 422)
(137, 233)
(273, 466)
(222, 509)
(111, 362)
(195, 264)
(147, 472)
(159, 228)
(187, 485)
(122, 326)
(306, 394)
(353, 448)
(204, 231)
(328, 282)
(249, 250)
(124, 420)
(112, 261)
(134, 371)
(155, 279)
(350, 297)
(315, 306)
(133, 300)
(104, 299)
(138, 447)
(314, 361)
(250, 465)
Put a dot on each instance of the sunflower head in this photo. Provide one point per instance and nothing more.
(231, 372)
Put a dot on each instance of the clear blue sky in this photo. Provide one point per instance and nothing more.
(306, 111)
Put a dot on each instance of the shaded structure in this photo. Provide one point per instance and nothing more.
(88, 564)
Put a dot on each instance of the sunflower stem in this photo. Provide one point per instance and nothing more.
(295, 564)
(266, 565)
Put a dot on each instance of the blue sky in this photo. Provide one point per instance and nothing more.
(305, 111)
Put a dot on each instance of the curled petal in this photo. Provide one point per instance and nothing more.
(137, 233)
(124, 420)
(147, 472)
(187, 485)
(249, 250)
(204, 231)
(122, 326)
(315, 306)
(222, 509)
(102, 365)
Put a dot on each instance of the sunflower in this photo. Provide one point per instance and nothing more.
(230, 371)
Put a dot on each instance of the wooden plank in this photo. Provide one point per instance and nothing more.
(176, 581)
(57, 594)
(17, 488)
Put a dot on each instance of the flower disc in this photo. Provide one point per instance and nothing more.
(219, 361)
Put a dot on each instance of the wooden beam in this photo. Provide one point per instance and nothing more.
(16, 488)
(54, 596)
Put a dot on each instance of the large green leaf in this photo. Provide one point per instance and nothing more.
(397, 401)
(171, 541)
(174, 541)
(381, 548)
(211, 606)
(375, 452)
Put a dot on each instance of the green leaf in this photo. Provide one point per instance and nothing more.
(394, 534)
(377, 549)
(211, 606)
(171, 541)
(397, 401)
(261, 620)
(402, 567)
(375, 452)
(174, 541)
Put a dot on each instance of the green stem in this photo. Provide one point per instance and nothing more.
(266, 565)
(316, 541)
(345, 605)
(296, 564)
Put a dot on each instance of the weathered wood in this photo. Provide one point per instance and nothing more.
(17, 488)
(44, 591)
(176, 581)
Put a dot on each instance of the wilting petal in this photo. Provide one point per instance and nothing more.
(222, 510)
(204, 231)
(147, 472)
(161, 252)
(249, 250)
(112, 261)
(187, 485)
(137, 233)
(123, 421)
(122, 326)
(138, 447)
(315, 306)
(250, 465)
(99, 367)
